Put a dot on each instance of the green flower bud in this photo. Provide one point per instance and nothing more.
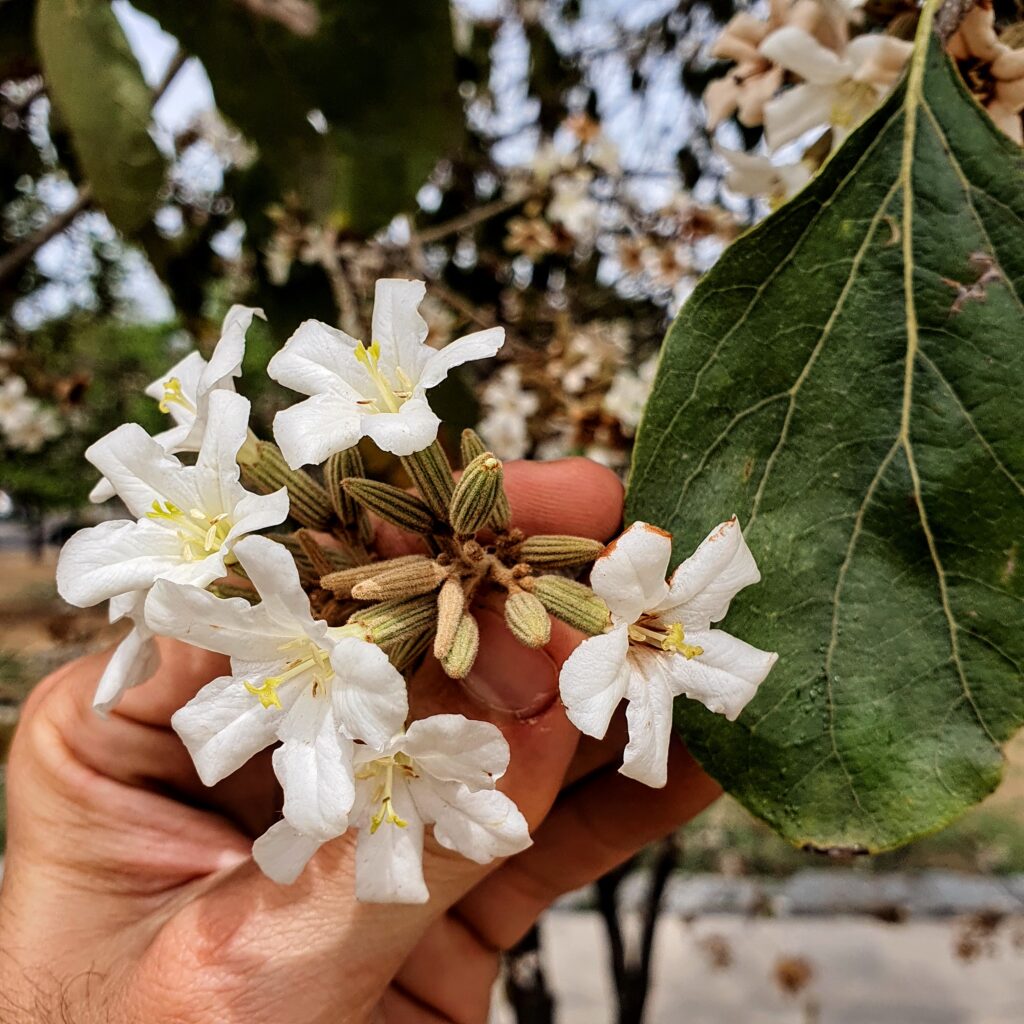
(472, 446)
(431, 475)
(476, 495)
(309, 505)
(459, 660)
(394, 620)
(342, 581)
(420, 576)
(527, 618)
(559, 551)
(392, 504)
(573, 603)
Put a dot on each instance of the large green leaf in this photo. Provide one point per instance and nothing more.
(848, 380)
(97, 87)
(381, 74)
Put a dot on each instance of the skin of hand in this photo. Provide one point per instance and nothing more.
(130, 896)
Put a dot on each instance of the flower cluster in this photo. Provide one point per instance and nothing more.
(26, 424)
(238, 549)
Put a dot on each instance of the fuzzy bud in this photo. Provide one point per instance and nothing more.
(527, 618)
(309, 503)
(392, 504)
(339, 467)
(559, 551)
(393, 620)
(432, 477)
(459, 660)
(342, 581)
(573, 603)
(472, 446)
(451, 603)
(408, 580)
(476, 495)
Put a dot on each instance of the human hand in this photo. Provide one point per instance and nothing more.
(130, 896)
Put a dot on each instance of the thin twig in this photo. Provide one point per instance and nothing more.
(22, 253)
(466, 220)
(341, 289)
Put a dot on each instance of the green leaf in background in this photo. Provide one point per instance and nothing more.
(848, 379)
(381, 75)
(97, 88)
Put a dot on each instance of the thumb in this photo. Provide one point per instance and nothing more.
(313, 941)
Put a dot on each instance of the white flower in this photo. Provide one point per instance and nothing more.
(837, 90)
(754, 174)
(376, 391)
(660, 643)
(572, 206)
(30, 425)
(293, 678)
(189, 519)
(13, 401)
(508, 406)
(626, 398)
(184, 390)
(442, 771)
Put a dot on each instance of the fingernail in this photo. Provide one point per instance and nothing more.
(507, 676)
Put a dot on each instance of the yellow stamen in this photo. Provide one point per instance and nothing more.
(386, 767)
(266, 692)
(173, 395)
(672, 638)
(199, 533)
(391, 397)
(315, 659)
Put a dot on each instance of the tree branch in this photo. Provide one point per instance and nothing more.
(24, 251)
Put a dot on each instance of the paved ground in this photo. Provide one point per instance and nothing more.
(728, 969)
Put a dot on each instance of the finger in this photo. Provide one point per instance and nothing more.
(574, 496)
(597, 825)
(592, 754)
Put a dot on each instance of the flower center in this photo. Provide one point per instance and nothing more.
(173, 395)
(672, 638)
(312, 658)
(200, 534)
(384, 769)
(391, 398)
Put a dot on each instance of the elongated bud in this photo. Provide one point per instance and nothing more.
(342, 581)
(558, 551)
(463, 651)
(527, 618)
(573, 603)
(392, 504)
(451, 603)
(229, 590)
(309, 503)
(309, 573)
(339, 467)
(404, 653)
(432, 477)
(410, 580)
(476, 495)
(472, 446)
(394, 620)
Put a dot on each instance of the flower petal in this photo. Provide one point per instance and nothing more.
(649, 717)
(398, 326)
(318, 359)
(798, 51)
(725, 677)
(282, 852)
(411, 429)
(482, 825)
(187, 372)
(224, 725)
(454, 748)
(481, 345)
(271, 570)
(134, 660)
(389, 862)
(368, 692)
(703, 586)
(226, 429)
(256, 512)
(310, 431)
(226, 359)
(795, 111)
(227, 625)
(593, 680)
(630, 575)
(113, 558)
(314, 767)
(134, 464)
